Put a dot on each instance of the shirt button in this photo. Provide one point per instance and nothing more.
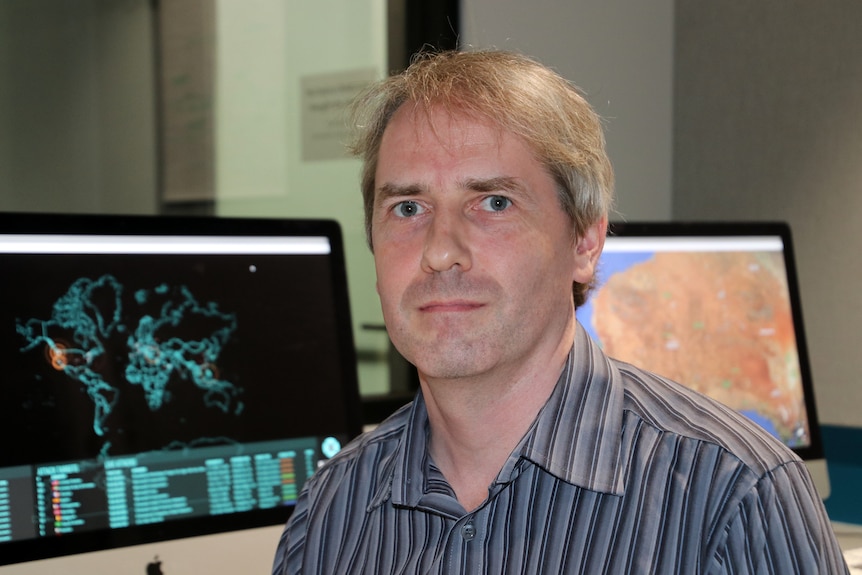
(468, 532)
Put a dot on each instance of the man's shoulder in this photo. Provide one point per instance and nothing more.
(672, 408)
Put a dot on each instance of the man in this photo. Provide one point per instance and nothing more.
(487, 189)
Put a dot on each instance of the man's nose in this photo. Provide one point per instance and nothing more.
(446, 243)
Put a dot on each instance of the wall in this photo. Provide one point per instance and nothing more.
(768, 125)
(621, 54)
(77, 106)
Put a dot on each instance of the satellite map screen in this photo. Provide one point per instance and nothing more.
(151, 381)
(713, 313)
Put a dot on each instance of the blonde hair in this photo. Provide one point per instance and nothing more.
(518, 95)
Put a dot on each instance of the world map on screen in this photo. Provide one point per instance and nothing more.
(165, 335)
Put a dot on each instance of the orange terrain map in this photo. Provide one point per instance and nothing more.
(718, 323)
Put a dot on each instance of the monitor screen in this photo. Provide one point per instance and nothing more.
(166, 377)
(715, 307)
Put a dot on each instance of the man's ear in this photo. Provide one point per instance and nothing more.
(588, 248)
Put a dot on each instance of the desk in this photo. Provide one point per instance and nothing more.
(850, 538)
(849, 535)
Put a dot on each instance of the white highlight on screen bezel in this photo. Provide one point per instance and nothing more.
(694, 244)
(166, 245)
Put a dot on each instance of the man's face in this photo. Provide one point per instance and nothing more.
(475, 257)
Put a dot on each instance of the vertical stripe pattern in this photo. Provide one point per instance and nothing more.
(622, 472)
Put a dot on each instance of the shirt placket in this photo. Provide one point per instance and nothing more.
(465, 546)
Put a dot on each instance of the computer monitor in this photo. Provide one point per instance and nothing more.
(716, 307)
(166, 378)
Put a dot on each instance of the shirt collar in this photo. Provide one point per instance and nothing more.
(403, 477)
(575, 437)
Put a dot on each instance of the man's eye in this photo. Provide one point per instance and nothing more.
(407, 209)
(496, 203)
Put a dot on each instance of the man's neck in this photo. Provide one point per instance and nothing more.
(476, 424)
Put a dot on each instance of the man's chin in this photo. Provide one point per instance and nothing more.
(452, 363)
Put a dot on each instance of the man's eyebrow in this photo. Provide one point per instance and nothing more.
(496, 184)
(390, 190)
(482, 185)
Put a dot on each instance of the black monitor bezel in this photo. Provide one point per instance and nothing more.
(755, 229)
(147, 225)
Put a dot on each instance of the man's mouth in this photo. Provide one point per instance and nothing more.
(450, 306)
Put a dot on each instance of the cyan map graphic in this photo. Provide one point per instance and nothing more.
(162, 337)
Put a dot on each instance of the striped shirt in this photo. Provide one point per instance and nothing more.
(621, 472)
